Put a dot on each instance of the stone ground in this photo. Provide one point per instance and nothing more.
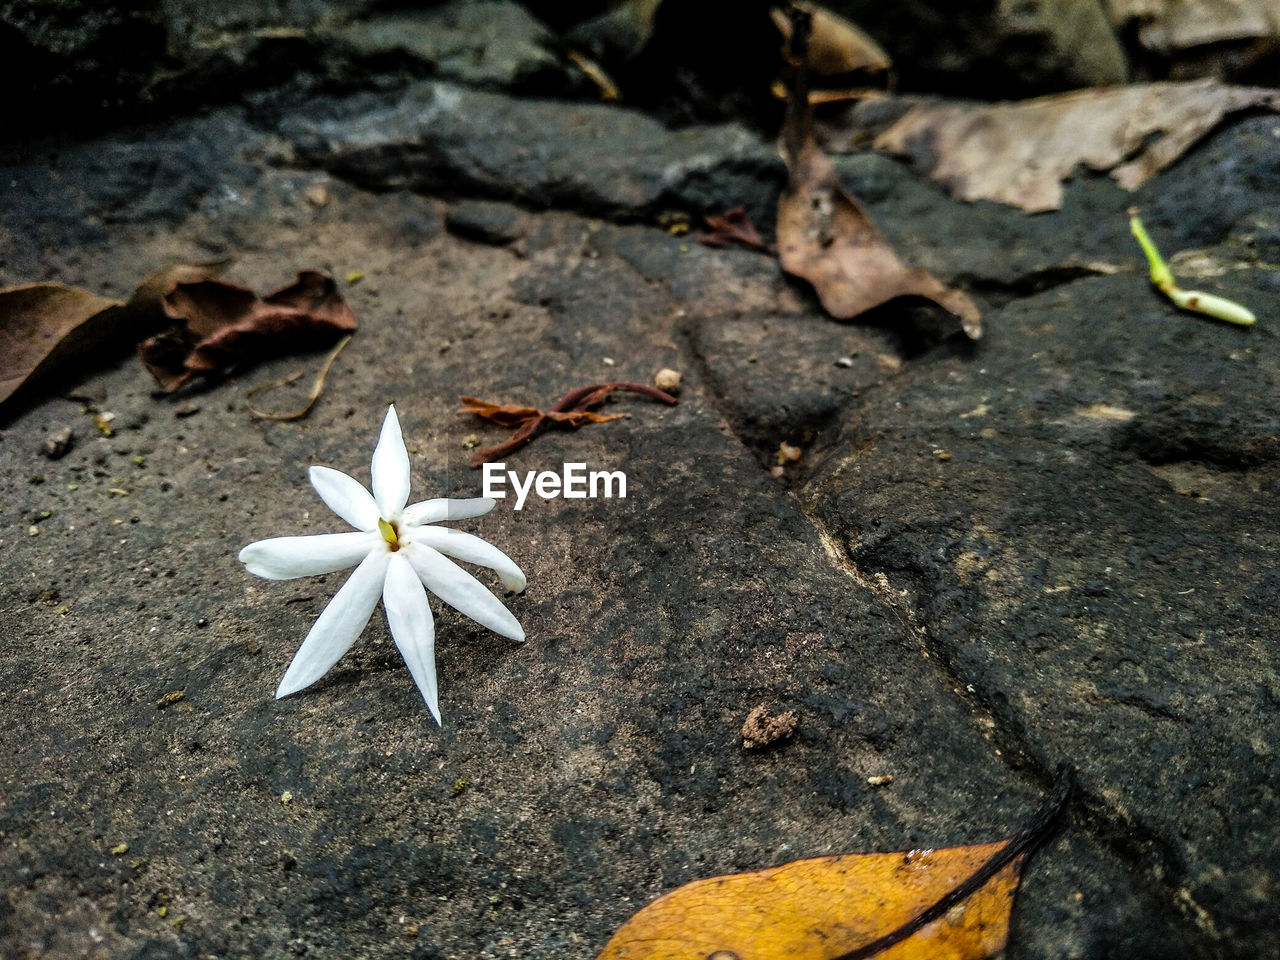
(1057, 545)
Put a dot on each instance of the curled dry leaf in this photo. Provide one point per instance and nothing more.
(835, 45)
(47, 328)
(825, 237)
(944, 904)
(506, 414)
(45, 324)
(1019, 153)
(225, 324)
(151, 292)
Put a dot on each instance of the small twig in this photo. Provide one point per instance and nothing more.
(594, 73)
(316, 388)
(572, 411)
(796, 124)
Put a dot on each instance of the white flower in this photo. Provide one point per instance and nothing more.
(400, 551)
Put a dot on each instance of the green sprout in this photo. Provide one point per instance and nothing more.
(1162, 280)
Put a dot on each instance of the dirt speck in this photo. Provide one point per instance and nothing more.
(763, 728)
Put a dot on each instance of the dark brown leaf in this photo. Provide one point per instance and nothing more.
(45, 324)
(225, 324)
(48, 328)
(825, 237)
(733, 227)
(507, 414)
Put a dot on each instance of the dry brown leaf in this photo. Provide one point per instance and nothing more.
(150, 294)
(1019, 153)
(732, 228)
(943, 904)
(224, 324)
(836, 45)
(826, 237)
(46, 327)
(46, 324)
(507, 414)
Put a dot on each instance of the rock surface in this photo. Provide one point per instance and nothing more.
(984, 48)
(593, 158)
(1053, 546)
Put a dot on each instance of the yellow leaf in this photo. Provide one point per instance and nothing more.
(820, 909)
(942, 904)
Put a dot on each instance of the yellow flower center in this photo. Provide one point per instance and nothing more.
(389, 533)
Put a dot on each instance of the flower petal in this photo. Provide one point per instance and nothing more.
(465, 547)
(434, 511)
(461, 590)
(345, 496)
(390, 468)
(337, 628)
(283, 558)
(411, 624)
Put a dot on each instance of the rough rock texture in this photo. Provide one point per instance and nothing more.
(986, 48)
(1055, 545)
(590, 157)
(71, 63)
(489, 43)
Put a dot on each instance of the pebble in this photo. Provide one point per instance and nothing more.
(668, 380)
(58, 443)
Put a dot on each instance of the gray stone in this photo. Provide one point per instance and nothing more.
(777, 377)
(58, 444)
(586, 157)
(486, 221)
(1093, 556)
(994, 49)
(487, 43)
(655, 623)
